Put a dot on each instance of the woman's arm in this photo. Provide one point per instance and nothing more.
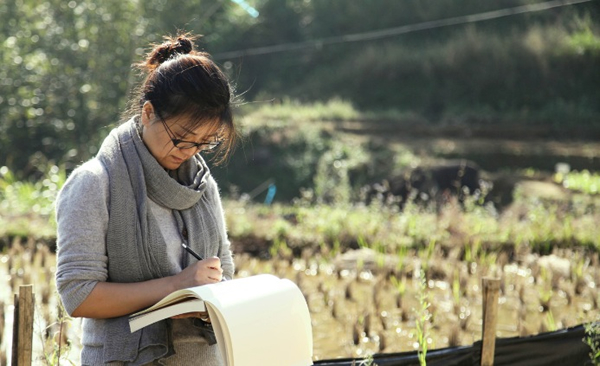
(82, 221)
(81, 275)
(225, 250)
(109, 299)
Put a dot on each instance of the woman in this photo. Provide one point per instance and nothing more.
(123, 216)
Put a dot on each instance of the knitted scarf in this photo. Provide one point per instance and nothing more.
(135, 247)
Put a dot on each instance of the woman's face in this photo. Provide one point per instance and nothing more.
(158, 138)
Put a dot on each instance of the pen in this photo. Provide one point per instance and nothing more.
(189, 250)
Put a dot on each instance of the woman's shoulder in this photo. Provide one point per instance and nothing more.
(91, 175)
(212, 185)
(92, 166)
(91, 170)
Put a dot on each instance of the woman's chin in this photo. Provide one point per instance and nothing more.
(171, 163)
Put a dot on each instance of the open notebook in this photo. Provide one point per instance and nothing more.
(258, 320)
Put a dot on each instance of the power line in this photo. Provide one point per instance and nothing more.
(389, 32)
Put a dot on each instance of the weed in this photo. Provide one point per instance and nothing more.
(57, 341)
(368, 361)
(456, 288)
(400, 285)
(550, 322)
(592, 339)
(545, 298)
(422, 320)
(280, 249)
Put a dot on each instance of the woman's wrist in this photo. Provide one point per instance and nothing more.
(172, 283)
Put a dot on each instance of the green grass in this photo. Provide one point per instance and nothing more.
(289, 110)
(27, 208)
(336, 109)
(592, 336)
(423, 320)
(583, 181)
(537, 225)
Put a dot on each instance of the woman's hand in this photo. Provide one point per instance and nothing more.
(200, 273)
(110, 299)
(203, 315)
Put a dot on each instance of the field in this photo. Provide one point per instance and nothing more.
(371, 296)
(378, 277)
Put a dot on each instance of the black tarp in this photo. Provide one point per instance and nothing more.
(561, 348)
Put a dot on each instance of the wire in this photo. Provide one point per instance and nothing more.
(389, 32)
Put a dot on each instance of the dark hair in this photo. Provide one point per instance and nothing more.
(184, 82)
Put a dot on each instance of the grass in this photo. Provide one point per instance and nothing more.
(529, 223)
(582, 181)
(592, 336)
(289, 110)
(335, 109)
(28, 207)
(423, 319)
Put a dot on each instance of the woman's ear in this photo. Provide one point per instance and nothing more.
(148, 114)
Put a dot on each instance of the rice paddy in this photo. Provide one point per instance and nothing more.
(362, 301)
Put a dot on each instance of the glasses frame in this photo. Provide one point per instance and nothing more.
(202, 146)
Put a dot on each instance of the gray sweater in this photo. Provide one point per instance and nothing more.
(82, 217)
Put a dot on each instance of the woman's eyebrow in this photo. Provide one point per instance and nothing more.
(187, 131)
(212, 136)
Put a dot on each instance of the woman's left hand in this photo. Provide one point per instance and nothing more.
(203, 315)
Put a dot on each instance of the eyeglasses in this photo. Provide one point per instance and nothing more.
(182, 144)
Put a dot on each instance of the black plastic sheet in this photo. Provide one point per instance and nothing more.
(564, 347)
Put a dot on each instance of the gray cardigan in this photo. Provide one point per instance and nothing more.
(82, 218)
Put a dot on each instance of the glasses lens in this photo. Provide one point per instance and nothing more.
(204, 146)
(186, 145)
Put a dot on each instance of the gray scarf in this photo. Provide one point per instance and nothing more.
(135, 247)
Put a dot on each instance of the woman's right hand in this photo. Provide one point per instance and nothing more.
(200, 273)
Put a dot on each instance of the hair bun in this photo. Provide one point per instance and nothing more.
(172, 46)
(183, 45)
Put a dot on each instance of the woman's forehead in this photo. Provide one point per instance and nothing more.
(197, 127)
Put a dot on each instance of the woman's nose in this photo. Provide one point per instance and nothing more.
(190, 152)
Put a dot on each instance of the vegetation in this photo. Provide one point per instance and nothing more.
(67, 75)
(319, 173)
(422, 321)
(584, 181)
(407, 296)
(592, 331)
(29, 205)
(306, 237)
(309, 242)
(319, 123)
